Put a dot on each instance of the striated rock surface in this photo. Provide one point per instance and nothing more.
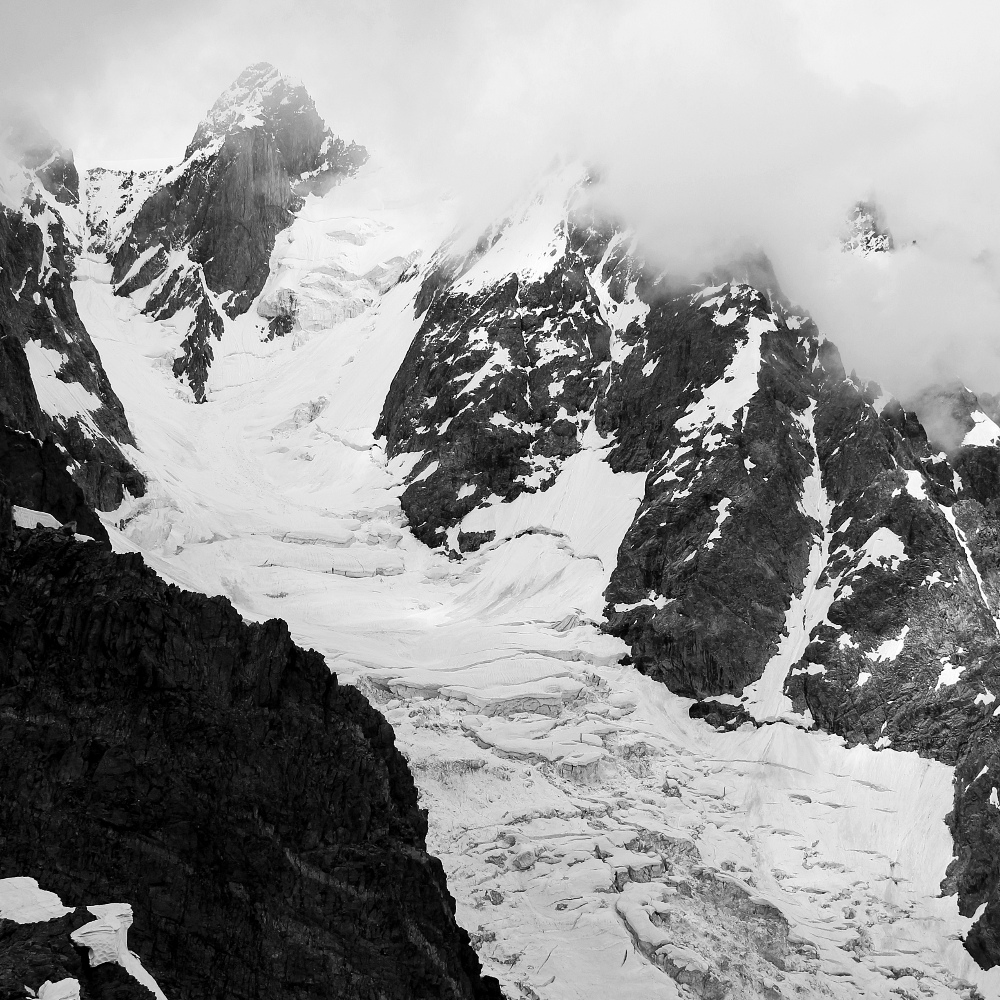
(52, 382)
(200, 243)
(255, 814)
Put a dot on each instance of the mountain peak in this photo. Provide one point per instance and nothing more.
(260, 96)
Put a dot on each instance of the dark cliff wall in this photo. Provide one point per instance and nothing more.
(255, 813)
(33, 475)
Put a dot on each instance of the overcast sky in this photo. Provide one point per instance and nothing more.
(716, 123)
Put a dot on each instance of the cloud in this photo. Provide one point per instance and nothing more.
(716, 125)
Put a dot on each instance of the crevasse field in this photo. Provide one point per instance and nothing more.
(558, 782)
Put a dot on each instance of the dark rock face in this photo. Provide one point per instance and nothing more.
(203, 238)
(254, 813)
(791, 519)
(38, 313)
(33, 474)
(719, 544)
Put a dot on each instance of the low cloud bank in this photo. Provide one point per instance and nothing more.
(717, 126)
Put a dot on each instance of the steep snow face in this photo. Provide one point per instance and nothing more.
(250, 100)
(598, 839)
(111, 199)
(345, 250)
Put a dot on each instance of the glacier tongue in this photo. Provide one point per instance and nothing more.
(599, 841)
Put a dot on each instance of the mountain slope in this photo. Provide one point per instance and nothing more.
(610, 467)
(574, 802)
(800, 553)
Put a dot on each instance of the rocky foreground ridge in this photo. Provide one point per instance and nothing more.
(254, 813)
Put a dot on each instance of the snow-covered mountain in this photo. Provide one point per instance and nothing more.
(688, 636)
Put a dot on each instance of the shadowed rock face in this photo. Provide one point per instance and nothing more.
(792, 518)
(33, 475)
(38, 312)
(254, 813)
(497, 386)
(203, 238)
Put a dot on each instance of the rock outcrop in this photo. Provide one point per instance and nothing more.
(200, 243)
(254, 813)
(500, 382)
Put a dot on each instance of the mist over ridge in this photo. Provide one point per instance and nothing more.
(715, 126)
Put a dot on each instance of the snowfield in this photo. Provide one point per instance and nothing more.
(599, 842)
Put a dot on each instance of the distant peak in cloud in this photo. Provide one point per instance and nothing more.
(25, 141)
(867, 231)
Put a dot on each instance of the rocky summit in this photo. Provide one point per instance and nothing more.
(516, 617)
(199, 243)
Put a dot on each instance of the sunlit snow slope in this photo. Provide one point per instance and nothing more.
(599, 841)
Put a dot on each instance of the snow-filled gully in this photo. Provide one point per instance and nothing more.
(765, 699)
(599, 842)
